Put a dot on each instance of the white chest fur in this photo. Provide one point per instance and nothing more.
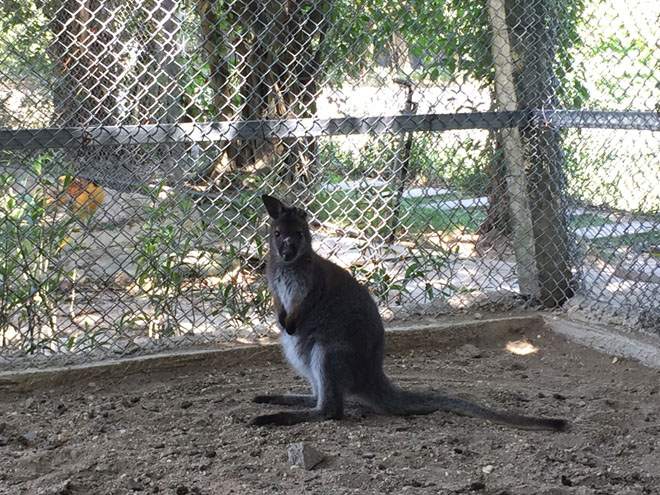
(311, 368)
(290, 287)
(289, 344)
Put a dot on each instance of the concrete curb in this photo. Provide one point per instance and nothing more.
(451, 333)
(644, 348)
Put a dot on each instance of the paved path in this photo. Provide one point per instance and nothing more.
(590, 232)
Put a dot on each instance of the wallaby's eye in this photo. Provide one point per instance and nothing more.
(277, 233)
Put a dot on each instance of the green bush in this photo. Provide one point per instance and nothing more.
(32, 238)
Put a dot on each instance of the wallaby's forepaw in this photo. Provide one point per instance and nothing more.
(277, 419)
(290, 328)
(286, 322)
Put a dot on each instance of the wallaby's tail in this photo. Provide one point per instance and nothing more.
(392, 400)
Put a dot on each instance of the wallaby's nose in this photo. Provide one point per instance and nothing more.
(287, 250)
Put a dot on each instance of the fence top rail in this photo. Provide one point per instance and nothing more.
(76, 137)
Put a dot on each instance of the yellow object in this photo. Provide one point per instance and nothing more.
(83, 196)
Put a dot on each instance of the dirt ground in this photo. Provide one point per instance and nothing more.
(185, 431)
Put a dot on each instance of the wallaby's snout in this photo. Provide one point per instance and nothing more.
(288, 249)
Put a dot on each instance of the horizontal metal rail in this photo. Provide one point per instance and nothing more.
(599, 119)
(76, 137)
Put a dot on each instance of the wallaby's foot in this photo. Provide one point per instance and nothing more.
(277, 419)
(288, 418)
(301, 400)
(554, 424)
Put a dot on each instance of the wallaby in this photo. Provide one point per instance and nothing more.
(332, 334)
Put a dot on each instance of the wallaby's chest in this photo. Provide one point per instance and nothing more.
(290, 285)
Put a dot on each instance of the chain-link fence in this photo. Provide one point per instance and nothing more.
(453, 155)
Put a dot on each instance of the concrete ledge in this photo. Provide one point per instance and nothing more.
(451, 333)
(607, 339)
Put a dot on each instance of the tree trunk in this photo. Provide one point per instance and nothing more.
(533, 34)
(516, 181)
(277, 62)
(217, 53)
(497, 221)
(86, 63)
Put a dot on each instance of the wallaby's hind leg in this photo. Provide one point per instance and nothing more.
(295, 400)
(328, 379)
(331, 408)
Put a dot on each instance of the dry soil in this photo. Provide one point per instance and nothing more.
(185, 431)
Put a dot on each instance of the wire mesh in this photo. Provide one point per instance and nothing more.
(453, 156)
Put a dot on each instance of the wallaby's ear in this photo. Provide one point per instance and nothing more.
(301, 213)
(273, 206)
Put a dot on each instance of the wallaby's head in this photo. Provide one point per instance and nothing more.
(289, 233)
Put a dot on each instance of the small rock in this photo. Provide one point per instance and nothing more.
(488, 469)
(29, 402)
(566, 481)
(210, 453)
(413, 483)
(477, 316)
(558, 396)
(61, 488)
(27, 437)
(135, 486)
(186, 404)
(62, 438)
(304, 455)
(583, 490)
(469, 351)
(182, 490)
(2, 427)
(368, 455)
(477, 485)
